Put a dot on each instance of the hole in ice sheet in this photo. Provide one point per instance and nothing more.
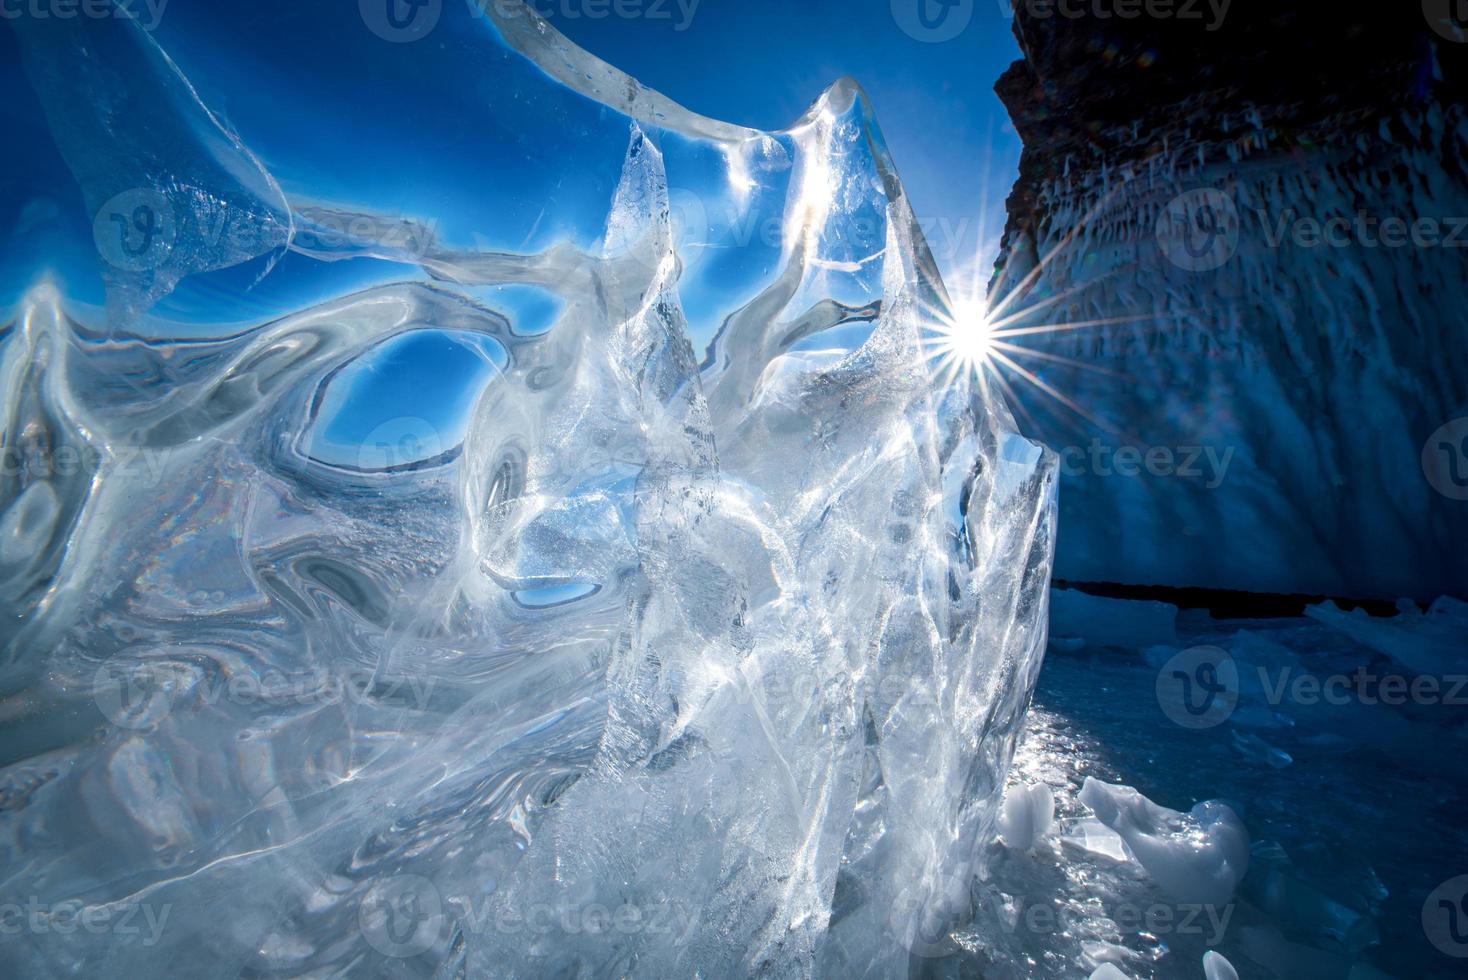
(404, 404)
(843, 339)
(532, 309)
(554, 595)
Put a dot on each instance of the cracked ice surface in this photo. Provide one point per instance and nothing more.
(573, 653)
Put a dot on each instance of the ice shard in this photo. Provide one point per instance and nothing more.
(507, 525)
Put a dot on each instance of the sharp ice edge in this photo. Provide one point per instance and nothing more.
(749, 684)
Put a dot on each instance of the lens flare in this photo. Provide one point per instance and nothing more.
(968, 339)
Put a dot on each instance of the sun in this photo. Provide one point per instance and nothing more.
(973, 336)
(963, 340)
(970, 336)
(969, 339)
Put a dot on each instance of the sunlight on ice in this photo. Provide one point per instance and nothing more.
(962, 340)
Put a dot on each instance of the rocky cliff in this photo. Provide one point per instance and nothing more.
(1268, 213)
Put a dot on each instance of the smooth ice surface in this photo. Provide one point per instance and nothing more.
(473, 517)
(1350, 847)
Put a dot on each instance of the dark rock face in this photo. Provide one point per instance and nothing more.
(1268, 208)
(1302, 67)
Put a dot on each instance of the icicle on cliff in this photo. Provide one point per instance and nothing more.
(1253, 229)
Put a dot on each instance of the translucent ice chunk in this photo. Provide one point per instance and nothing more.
(1197, 857)
(1108, 971)
(1428, 643)
(1217, 967)
(365, 618)
(1026, 816)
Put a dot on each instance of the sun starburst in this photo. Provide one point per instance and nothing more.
(972, 335)
(963, 340)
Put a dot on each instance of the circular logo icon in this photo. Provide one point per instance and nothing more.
(1449, 18)
(933, 21)
(400, 21)
(687, 224)
(599, 459)
(1199, 230)
(688, 220)
(402, 916)
(135, 230)
(399, 444)
(925, 913)
(1199, 687)
(133, 697)
(1445, 917)
(1445, 460)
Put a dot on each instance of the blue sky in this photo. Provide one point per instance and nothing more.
(762, 62)
(379, 122)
